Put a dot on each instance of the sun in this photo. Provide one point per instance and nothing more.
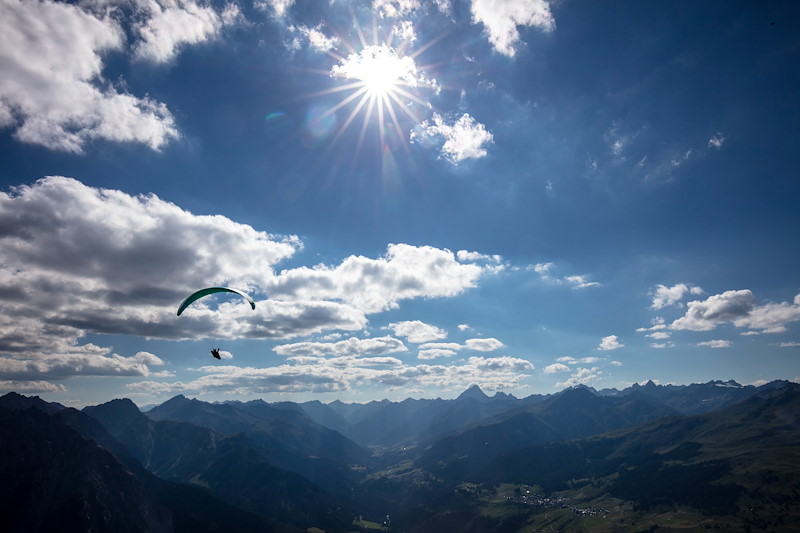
(379, 69)
(379, 80)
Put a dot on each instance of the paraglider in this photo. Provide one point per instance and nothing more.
(215, 353)
(212, 290)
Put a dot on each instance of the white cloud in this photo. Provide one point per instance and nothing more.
(580, 282)
(716, 344)
(464, 327)
(716, 141)
(478, 345)
(433, 353)
(610, 343)
(416, 331)
(616, 363)
(576, 281)
(454, 346)
(658, 323)
(311, 374)
(664, 296)
(463, 139)
(789, 344)
(381, 65)
(374, 285)
(483, 345)
(581, 376)
(28, 387)
(77, 260)
(662, 345)
(348, 347)
(317, 40)
(464, 256)
(175, 23)
(86, 360)
(51, 88)
(279, 7)
(395, 8)
(567, 359)
(555, 367)
(501, 18)
(658, 335)
(771, 317)
(717, 309)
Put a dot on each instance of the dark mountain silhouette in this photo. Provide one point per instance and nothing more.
(57, 479)
(706, 461)
(288, 439)
(570, 414)
(391, 425)
(696, 398)
(15, 401)
(229, 466)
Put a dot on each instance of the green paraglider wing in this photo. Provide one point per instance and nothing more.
(212, 290)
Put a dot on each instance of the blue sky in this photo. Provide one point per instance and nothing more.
(420, 196)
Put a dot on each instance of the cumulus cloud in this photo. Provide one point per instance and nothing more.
(52, 91)
(610, 343)
(312, 374)
(433, 353)
(28, 387)
(555, 367)
(317, 40)
(172, 24)
(483, 345)
(771, 317)
(352, 346)
(464, 255)
(417, 332)
(374, 285)
(581, 376)
(501, 18)
(664, 296)
(463, 139)
(87, 360)
(716, 344)
(430, 350)
(717, 309)
(106, 262)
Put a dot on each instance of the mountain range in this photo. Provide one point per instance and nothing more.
(708, 454)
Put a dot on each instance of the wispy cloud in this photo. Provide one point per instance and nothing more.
(545, 271)
(716, 141)
(716, 344)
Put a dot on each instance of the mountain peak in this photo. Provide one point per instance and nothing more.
(473, 392)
